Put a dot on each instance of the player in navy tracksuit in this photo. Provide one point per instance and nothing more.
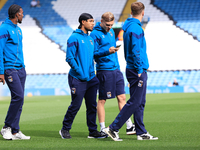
(136, 73)
(82, 80)
(108, 69)
(12, 69)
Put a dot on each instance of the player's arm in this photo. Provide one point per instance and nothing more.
(2, 78)
(137, 50)
(97, 46)
(113, 49)
(72, 54)
(4, 35)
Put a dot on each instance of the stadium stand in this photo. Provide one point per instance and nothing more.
(168, 46)
(42, 53)
(155, 78)
(184, 13)
(173, 53)
(45, 81)
(52, 24)
(71, 10)
(162, 78)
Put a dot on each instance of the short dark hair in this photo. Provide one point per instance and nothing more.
(84, 16)
(13, 9)
(137, 8)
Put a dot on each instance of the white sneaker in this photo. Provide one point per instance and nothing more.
(103, 132)
(20, 136)
(6, 133)
(113, 134)
(146, 136)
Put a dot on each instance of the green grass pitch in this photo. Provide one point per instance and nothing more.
(174, 118)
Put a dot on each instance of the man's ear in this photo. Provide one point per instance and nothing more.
(83, 21)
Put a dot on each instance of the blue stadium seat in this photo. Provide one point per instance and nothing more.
(184, 12)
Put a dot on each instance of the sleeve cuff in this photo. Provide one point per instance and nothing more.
(140, 71)
(107, 52)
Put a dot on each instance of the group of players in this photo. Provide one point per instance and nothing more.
(82, 49)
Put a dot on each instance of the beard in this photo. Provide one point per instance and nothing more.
(19, 21)
(88, 29)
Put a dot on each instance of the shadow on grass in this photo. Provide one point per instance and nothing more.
(75, 135)
(55, 134)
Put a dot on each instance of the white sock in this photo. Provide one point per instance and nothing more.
(102, 125)
(129, 123)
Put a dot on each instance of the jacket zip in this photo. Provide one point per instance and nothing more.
(88, 51)
(17, 47)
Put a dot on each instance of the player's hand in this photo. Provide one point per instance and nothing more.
(113, 50)
(139, 75)
(2, 78)
(116, 49)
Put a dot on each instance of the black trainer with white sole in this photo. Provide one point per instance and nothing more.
(104, 133)
(131, 131)
(113, 134)
(65, 134)
(146, 136)
(97, 134)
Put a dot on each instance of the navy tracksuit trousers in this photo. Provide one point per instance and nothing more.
(135, 105)
(80, 90)
(15, 80)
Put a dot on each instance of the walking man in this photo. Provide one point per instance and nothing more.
(108, 69)
(136, 73)
(12, 70)
(82, 80)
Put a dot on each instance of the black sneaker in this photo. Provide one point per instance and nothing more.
(96, 134)
(131, 131)
(65, 134)
(104, 133)
(146, 136)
